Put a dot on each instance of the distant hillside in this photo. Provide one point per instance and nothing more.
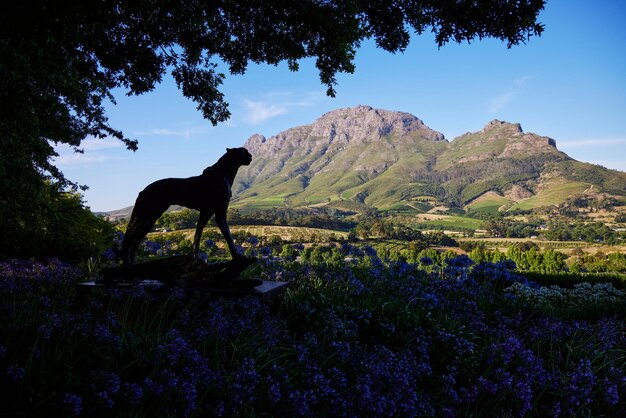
(116, 215)
(392, 161)
(124, 213)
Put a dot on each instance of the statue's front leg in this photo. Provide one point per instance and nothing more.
(202, 221)
(220, 220)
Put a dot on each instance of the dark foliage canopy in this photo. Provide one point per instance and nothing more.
(60, 61)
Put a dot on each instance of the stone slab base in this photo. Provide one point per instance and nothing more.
(268, 291)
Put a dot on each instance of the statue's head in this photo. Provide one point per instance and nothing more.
(239, 156)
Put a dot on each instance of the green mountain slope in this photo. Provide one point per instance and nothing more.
(391, 160)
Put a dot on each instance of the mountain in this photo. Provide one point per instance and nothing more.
(390, 160)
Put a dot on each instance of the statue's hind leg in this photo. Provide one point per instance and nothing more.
(129, 238)
(144, 228)
(137, 230)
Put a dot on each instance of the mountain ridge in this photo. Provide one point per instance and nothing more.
(358, 157)
(380, 158)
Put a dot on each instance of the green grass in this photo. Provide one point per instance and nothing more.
(459, 149)
(254, 203)
(553, 194)
(285, 232)
(406, 208)
(544, 245)
(489, 202)
(568, 280)
(313, 199)
(454, 222)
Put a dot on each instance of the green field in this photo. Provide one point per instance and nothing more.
(407, 208)
(453, 222)
(287, 233)
(489, 202)
(250, 204)
(503, 243)
(553, 194)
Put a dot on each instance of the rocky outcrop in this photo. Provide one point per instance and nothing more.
(316, 146)
(364, 123)
(517, 141)
(517, 193)
(529, 144)
(503, 127)
(343, 127)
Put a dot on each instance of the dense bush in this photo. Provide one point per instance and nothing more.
(560, 230)
(354, 336)
(55, 223)
(569, 279)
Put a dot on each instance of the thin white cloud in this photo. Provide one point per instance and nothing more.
(75, 159)
(257, 112)
(93, 144)
(522, 80)
(498, 102)
(94, 152)
(278, 103)
(185, 132)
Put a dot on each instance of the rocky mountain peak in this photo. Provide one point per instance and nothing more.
(362, 123)
(342, 127)
(256, 140)
(497, 124)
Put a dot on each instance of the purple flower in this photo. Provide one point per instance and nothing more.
(506, 264)
(132, 392)
(103, 335)
(153, 387)
(109, 254)
(45, 331)
(203, 256)
(426, 261)
(108, 381)
(611, 393)
(245, 381)
(579, 389)
(15, 372)
(151, 247)
(74, 403)
(461, 261)
(253, 241)
(118, 237)
(105, 397)
(356, 286)
(369, 251)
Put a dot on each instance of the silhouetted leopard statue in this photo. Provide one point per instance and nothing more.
(208, 193)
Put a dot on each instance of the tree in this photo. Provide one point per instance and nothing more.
(61, 61)
(553, 262)
(62, 228)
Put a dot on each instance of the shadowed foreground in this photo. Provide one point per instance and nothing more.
(359, 338)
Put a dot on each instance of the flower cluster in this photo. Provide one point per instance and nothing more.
(354, 335)
(581, 295)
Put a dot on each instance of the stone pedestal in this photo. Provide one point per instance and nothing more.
(180, 270)
(268, 291)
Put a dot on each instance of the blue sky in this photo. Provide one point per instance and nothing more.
(569, 84)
